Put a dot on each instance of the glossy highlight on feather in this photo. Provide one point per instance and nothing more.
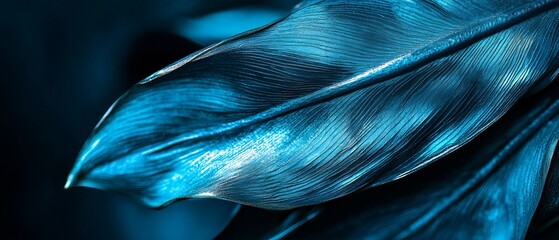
(336, 97)
(489, 189)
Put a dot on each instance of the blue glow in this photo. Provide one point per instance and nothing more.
(218, 26)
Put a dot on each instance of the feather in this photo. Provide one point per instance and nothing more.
(489, 189)
(547, 213)
(336, 97)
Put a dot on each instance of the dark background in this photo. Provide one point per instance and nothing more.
(63, 63)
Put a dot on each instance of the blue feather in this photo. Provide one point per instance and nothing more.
(547, 213)
(336, 97)
(489, 189)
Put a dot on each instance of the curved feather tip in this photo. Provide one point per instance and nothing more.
(336, 97)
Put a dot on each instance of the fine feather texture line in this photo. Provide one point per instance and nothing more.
(401, 65)
(199, 53)
(545, 117)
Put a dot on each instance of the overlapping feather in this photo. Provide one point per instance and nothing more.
(336, 97)
(547, 213)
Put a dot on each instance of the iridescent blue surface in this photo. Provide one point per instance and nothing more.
(489, 189)
(335, 97)
(547, 213)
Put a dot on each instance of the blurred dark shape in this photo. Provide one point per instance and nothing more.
(202, 8)
(243, 225)
(195, 219)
